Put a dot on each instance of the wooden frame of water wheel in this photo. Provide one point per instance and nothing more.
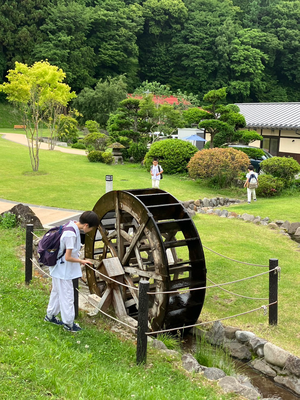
(153, 236)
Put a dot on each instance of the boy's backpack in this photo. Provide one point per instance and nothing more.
(48, 246)
(161, 175)
(252, 182)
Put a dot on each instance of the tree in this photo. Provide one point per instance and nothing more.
(97, 104)
(36, 90)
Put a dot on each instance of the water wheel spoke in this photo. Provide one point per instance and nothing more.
(133, 242)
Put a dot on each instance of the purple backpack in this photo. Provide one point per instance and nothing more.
(48, 246)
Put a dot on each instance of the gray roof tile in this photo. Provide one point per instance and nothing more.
(271, 115)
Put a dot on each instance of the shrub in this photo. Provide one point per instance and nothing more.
(78, 145)
(96, 140)
(67, 130)
(251, 153)
(8, 220)
(107, 157)
(269, 186)
(95, 156)
(281, 167)
(220, 166)
(92, 126)
(137, 151)
(173, 155)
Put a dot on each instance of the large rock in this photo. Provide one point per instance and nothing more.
(244, 336)
(257, 345)
(214, 373)
(247, 217)
(231, 384)
(25, 216)
(205, 202)
(263, 367)
(238, 350)
(290, 382)
(293, 227)
(216, 334)
(297, 233)
(275, 355)
(293, 365)
(190, 363)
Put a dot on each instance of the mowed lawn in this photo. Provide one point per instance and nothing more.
(70, 181)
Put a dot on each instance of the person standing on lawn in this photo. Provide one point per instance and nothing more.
(251, 183)
(156, 173)
(66, 269)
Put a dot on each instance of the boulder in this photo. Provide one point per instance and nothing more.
(190, 363)
(263, 367)
(293, 227)
(286, 225)
(238, 350)
(290, 382)
(216, 334)
(205, 202)
(214, 373)
(275, 355)
(257, 345)
(157, 344)
(293, 365)
(244, 336)
(297, 233)
(25, 216)
(247, 217)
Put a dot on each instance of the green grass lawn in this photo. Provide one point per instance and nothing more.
(39, 360)
(37, 357)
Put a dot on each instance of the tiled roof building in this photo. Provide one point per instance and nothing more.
(278, 123)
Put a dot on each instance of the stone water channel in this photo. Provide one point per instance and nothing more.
(265, 385)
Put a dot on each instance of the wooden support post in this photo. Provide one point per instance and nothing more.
(141, 350)
(273, 291)
(28, 253)
(75, 287)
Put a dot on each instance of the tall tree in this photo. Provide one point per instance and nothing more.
(97, 104)
(20, 22)
(36, 90)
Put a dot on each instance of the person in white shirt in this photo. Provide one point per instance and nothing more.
(66, 269)
(251, 187)
(156, 172)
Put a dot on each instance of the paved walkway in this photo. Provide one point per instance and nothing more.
(21, 139)
(48, 216)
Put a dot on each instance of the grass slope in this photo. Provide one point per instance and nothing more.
(39, 360)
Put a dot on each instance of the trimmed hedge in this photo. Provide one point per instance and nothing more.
(281, 167)
(173, 155)
(269, 186)
(220, 166)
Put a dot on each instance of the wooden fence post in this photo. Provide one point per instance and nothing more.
(273, 291)
(28, 253)
(141, 350)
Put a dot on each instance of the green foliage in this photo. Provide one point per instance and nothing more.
(107, 157)
(173, 155)
(96, 140)
(251, 152)
(269, 186)
(100, 156)
(95, 156)
(281, 167)
(67, 130)
(39, 92)
(78, 145)
(172, 342)
(214, 356)
(8, 220)
(98, 103)
(246, 137)
(220, 166)
(92, 126)
(137, 151)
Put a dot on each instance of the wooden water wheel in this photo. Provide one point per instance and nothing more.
(153, 237)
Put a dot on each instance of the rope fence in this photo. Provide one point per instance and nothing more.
(144, 293)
